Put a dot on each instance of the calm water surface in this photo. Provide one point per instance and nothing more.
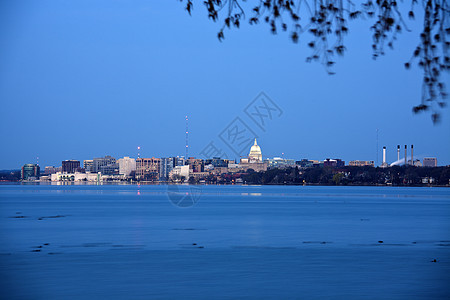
(246, 242)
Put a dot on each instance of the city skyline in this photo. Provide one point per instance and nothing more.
(391, 157)
(219, 170)
(129, 77)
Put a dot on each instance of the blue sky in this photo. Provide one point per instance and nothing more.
(83, 79)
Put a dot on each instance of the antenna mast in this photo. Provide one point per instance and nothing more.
(187, 138)
(377, 148)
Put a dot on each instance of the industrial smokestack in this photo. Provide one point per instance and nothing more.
(406, 153)
(412, 155)
(398, 152)
(384, 157)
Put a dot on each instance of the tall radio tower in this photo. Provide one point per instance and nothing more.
(377, 149)
(187, 138)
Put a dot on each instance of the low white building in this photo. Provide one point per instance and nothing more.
(92, 177)
(182, 171)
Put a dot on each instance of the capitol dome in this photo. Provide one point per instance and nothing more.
(255, 153)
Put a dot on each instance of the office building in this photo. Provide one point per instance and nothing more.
(88, 165)
(148, 169)
(278, 162)
(361, 163)
(100, 162)
(30, 172)
(111, 169)
(127, 165)
(305, 163)
(333, 163)
(48, 170)
(429, 162)
(217, 162)
(195, 164)
(167, 165)
(70, 166)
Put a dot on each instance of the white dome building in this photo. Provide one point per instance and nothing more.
(255, 155)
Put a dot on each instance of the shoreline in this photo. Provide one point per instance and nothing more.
(138, 183)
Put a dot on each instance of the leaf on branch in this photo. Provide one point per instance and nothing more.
(220, 36)
(340, 49)
(254, 20)
(189, 6)
(354, 15)
(417, 51)
(419, 108)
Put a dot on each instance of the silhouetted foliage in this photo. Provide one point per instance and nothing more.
(10, 175)
(327, 22)
(396, 175)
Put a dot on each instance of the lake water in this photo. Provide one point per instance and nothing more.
(236, 242)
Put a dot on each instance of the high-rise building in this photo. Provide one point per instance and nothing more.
(30, 171)
(100, 162)
(148, 168)
(70, 166)
(126, 165)
(167, 165)
(430, 162)
(88, 165)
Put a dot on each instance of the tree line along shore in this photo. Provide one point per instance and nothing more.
(348, 175)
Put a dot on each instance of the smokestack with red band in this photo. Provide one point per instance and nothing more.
(398, 152)
(406, 153)
(384, 156)
(412, 155)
